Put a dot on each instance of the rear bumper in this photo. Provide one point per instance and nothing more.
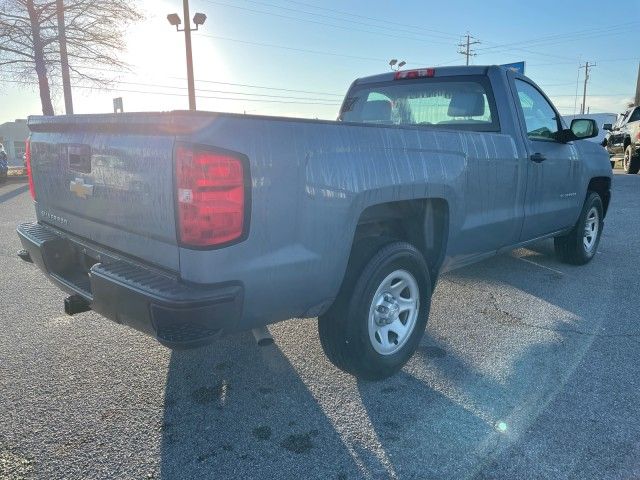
(177, 313)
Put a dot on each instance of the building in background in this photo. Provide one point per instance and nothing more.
(13, 135)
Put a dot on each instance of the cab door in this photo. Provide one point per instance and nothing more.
(554, 168)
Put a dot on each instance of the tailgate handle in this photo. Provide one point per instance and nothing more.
(79, 157)
(538, 157)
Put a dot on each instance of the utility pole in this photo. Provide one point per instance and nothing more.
(187, 42)
(467, 52)
(64, 59)
(637, 98)
(586, 67)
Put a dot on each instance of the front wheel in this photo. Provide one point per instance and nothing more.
(631, 161)
(381, 312)
(581, 244)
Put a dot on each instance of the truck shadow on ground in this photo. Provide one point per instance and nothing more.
(236, 410)
(487, 370)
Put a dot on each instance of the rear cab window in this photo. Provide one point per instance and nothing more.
(462, 102)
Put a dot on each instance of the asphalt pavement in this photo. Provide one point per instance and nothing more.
(529, 369)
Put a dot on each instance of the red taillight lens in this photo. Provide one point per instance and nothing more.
(210, 197)
(27, 157)
(411, 74)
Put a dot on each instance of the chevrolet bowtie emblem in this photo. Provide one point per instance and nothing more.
(80, 188)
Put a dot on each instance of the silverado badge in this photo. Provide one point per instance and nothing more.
(80, 188)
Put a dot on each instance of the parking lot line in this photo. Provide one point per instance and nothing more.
(541, 266)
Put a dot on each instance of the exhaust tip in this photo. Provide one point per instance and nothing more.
(75, 304)
(262, 336)
(265, 342)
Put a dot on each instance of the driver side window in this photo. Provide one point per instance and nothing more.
(540, 118)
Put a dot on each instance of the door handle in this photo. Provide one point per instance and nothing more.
(538, 157)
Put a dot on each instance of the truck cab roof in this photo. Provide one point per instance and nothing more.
(439, 72)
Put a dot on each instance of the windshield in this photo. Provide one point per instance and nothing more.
(453, 102)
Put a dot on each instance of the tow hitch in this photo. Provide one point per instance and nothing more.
(75, 304)
(24, 255)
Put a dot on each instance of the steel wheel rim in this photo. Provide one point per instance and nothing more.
(591, 229)
(393, 312)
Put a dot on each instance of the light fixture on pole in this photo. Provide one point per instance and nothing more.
(198, 19)
(394, 63)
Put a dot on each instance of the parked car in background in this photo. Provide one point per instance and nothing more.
(184, 225)
(4, 165)
(623, 140)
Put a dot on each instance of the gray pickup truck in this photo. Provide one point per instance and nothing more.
(185, 225)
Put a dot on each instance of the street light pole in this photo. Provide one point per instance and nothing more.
(198, 19)
(187, 43)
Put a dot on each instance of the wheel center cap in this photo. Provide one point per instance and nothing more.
(388, 311)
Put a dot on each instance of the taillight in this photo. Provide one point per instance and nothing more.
(411, 74)
(210, 197)
(27, 158)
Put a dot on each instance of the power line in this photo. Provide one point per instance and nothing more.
(296, 49)
(155, 85)
(436, 34)
(22, 82)
(262, 87)
(615, 60)
(351, 29)
(383, 20)
(343, 27)
(608, 30)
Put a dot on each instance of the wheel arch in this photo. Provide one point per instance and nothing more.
(602, 186)
(422, 222)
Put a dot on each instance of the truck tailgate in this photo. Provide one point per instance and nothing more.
(108, 180)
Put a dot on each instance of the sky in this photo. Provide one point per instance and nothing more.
(298, 57)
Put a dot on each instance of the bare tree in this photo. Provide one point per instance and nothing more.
(29, 43)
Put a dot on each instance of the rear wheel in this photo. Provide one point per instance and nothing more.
(581, 244)
(631, 161)
(380, 315)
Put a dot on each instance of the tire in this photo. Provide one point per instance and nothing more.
(613, 165)
(631, 162)
(578, 248)
(357, 334)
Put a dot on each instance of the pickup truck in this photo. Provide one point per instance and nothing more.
(623, 140)
(186, 225)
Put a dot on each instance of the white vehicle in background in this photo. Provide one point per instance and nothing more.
(600, 119)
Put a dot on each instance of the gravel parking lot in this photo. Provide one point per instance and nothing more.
(529, 369)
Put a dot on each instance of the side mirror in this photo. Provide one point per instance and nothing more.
(580, 129)
(607, 126)
(583, 128)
